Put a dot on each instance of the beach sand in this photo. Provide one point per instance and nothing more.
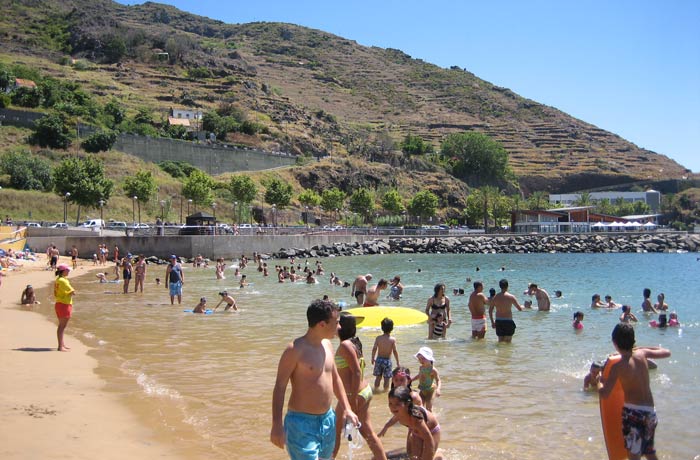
(52, 404)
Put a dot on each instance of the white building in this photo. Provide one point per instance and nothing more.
(186, 114)
(650, 197)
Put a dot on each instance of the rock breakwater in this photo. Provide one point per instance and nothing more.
(506, 244)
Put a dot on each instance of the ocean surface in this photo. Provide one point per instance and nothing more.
(204, 382)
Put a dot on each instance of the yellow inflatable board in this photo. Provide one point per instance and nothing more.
(373, 316)
(611, 416)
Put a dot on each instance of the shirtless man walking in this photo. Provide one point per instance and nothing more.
(543, 302)
(503, 303)
(477, 308)
(372, 296)
(359, 287)
(308, 429)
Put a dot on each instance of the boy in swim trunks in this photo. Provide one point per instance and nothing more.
(638, 415)
(308, 429)
(502, 302)
(477, 308)
(384, 346)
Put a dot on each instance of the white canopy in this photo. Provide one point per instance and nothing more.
(649, 225)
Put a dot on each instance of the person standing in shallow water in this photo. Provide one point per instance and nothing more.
(503, 303)
(63, 292)
(174, 280)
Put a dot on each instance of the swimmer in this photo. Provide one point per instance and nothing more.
(596, 302)
(627, 316)
(244, 282)
(401, 377)
(673, 320)
(590, 381)
(578, 320)
(201, 307)
(609, 302)
(423, 426)
(230, 302)
(527, 304)
(428, 377)
(557, 294)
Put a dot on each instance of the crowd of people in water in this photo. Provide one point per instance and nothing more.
(318, 374)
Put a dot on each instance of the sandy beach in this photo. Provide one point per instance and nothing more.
(52, 404)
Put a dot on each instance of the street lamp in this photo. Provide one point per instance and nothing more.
(306, 216)
(162, 210)
(213, 208)
(65, 207)
(133, 208)
(274, 218)
(235, 203)
(102, 222)
(250, 215)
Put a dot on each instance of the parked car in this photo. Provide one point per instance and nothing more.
(59, 225)
(116, 225)
(93, 223)
(33, 224)
(141, 225)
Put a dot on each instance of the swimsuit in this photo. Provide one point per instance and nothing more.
(382, 366)
(479, 324)
(394, 293)
(435, 309)
(310, 436)
(439, 329)
(426, 379)
(505, 327)
(638, 427)
(366, 392)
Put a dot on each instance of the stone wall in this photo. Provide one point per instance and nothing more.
(212, 158)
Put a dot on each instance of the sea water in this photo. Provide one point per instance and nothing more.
(204, 382)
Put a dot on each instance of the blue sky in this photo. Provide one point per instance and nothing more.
(629, 67)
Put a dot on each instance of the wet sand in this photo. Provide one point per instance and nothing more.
(52, 404)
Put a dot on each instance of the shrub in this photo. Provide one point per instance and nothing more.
(101, 141)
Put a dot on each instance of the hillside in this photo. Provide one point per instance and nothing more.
(316, 92)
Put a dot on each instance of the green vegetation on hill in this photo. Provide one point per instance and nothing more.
(400, 122)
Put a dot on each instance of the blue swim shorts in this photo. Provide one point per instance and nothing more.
(382, 366)
(176, 288)
(310, 436)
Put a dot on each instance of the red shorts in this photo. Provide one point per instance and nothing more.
(63, 310)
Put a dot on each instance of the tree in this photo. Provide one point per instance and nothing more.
(309, 198)
(7, 79)
(101, 141)
(199, 188)
(84, 178)
(584, 199)
(474, 210)
(415, 145)
(114, 110)
(332, 199)
(392, 202)
(243, 189)
(423, 204)
(114, 48)
(478, 159)
(538, 200)
(362, 202)
(142, 184)
(26, 97)
(26, 171)
(278, 193)
(52, 130)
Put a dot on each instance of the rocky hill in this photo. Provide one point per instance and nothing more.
(316, 92)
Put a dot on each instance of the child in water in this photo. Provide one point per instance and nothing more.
(590, 381)
(401, 377)
(578, 320)
(201, 306)
(627, 316)
(673, 320)
(428, 377)
(440, 327)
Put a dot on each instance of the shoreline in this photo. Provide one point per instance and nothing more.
(53, 403)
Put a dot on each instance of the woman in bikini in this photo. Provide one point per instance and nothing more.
(423, 426)
(438, 303)
(351, 365)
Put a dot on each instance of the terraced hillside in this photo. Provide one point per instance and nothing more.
(316, 92)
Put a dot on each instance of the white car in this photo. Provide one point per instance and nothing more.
(33, 224)
(59, 225)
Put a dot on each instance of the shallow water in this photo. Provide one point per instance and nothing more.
(204, 382)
